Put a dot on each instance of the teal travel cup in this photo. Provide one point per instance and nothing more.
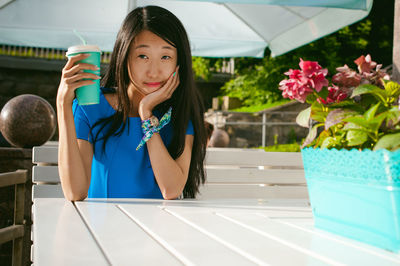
(89, 94)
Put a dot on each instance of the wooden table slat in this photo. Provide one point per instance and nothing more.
(198, 249)
(316, 245)
(383, 256)
(61, 237)
(117, 238)
(264, 250)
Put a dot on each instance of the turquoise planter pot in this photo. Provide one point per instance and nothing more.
(356, 193)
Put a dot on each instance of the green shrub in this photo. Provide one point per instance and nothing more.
(293, 147)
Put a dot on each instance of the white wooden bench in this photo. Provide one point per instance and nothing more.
(253, 173)
(231, 173)
(45, 178)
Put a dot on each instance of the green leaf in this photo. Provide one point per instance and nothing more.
(303, 117)
(358, 120)
(367, 88)
(336, 116)
(328, 143)
(366, 101)
(356, 137)
(350, 125)
(377, 121)
(371, 112)
(311, 98)
(393, 117)
(317, 112)
(392, 88)
(312, 134)
(389, 142)
(319, 117)
(321, 137)
(323, 93)
(371, 89)
(345, 103)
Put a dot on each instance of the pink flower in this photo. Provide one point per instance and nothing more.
(314, 74)
(346, 77)
(335, 95)
(318, 81)
(365, 64)
(368, 74)
(303, 82)
(309, 67)
(294, 74)
(294, 90)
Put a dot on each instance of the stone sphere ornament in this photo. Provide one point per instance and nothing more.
(27, 120)
(219, 138)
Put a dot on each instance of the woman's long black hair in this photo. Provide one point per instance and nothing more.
(186, 101)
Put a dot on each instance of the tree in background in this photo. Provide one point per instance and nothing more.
(256, 80)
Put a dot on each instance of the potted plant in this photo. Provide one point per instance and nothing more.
(351, 155)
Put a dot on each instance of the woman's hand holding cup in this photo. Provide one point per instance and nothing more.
(73, 77)
(81, 75)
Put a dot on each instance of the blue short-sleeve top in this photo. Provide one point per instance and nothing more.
(119, 171)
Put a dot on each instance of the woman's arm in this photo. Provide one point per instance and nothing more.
(171, 175)
(74, 156)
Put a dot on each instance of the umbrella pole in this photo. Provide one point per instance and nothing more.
(396, 42)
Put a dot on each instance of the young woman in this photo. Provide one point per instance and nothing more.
(117, 148)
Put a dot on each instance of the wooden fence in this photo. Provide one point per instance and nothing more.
(15, 232)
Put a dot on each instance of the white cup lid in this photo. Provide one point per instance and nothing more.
(83, 48)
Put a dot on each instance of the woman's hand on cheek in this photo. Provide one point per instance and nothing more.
(153, 99)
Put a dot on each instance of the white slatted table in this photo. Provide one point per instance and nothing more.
(214, 232)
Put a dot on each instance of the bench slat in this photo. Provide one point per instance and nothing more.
(267, 176)
(217, 191)
(47, 191)
(215, 156)
(45, 174)
(50, 174)
(248, 157)
(45, 154)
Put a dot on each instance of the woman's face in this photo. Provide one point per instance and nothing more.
(151, 62)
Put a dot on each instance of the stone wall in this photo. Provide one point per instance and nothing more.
(29, 76)
(14, 82)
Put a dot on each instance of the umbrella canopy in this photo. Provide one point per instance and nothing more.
(220, 28)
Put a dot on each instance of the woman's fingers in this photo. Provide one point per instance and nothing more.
(174, 85)
(78, 84)
(80, 76)
(168, 84)
(79, 67)
(73, 59)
